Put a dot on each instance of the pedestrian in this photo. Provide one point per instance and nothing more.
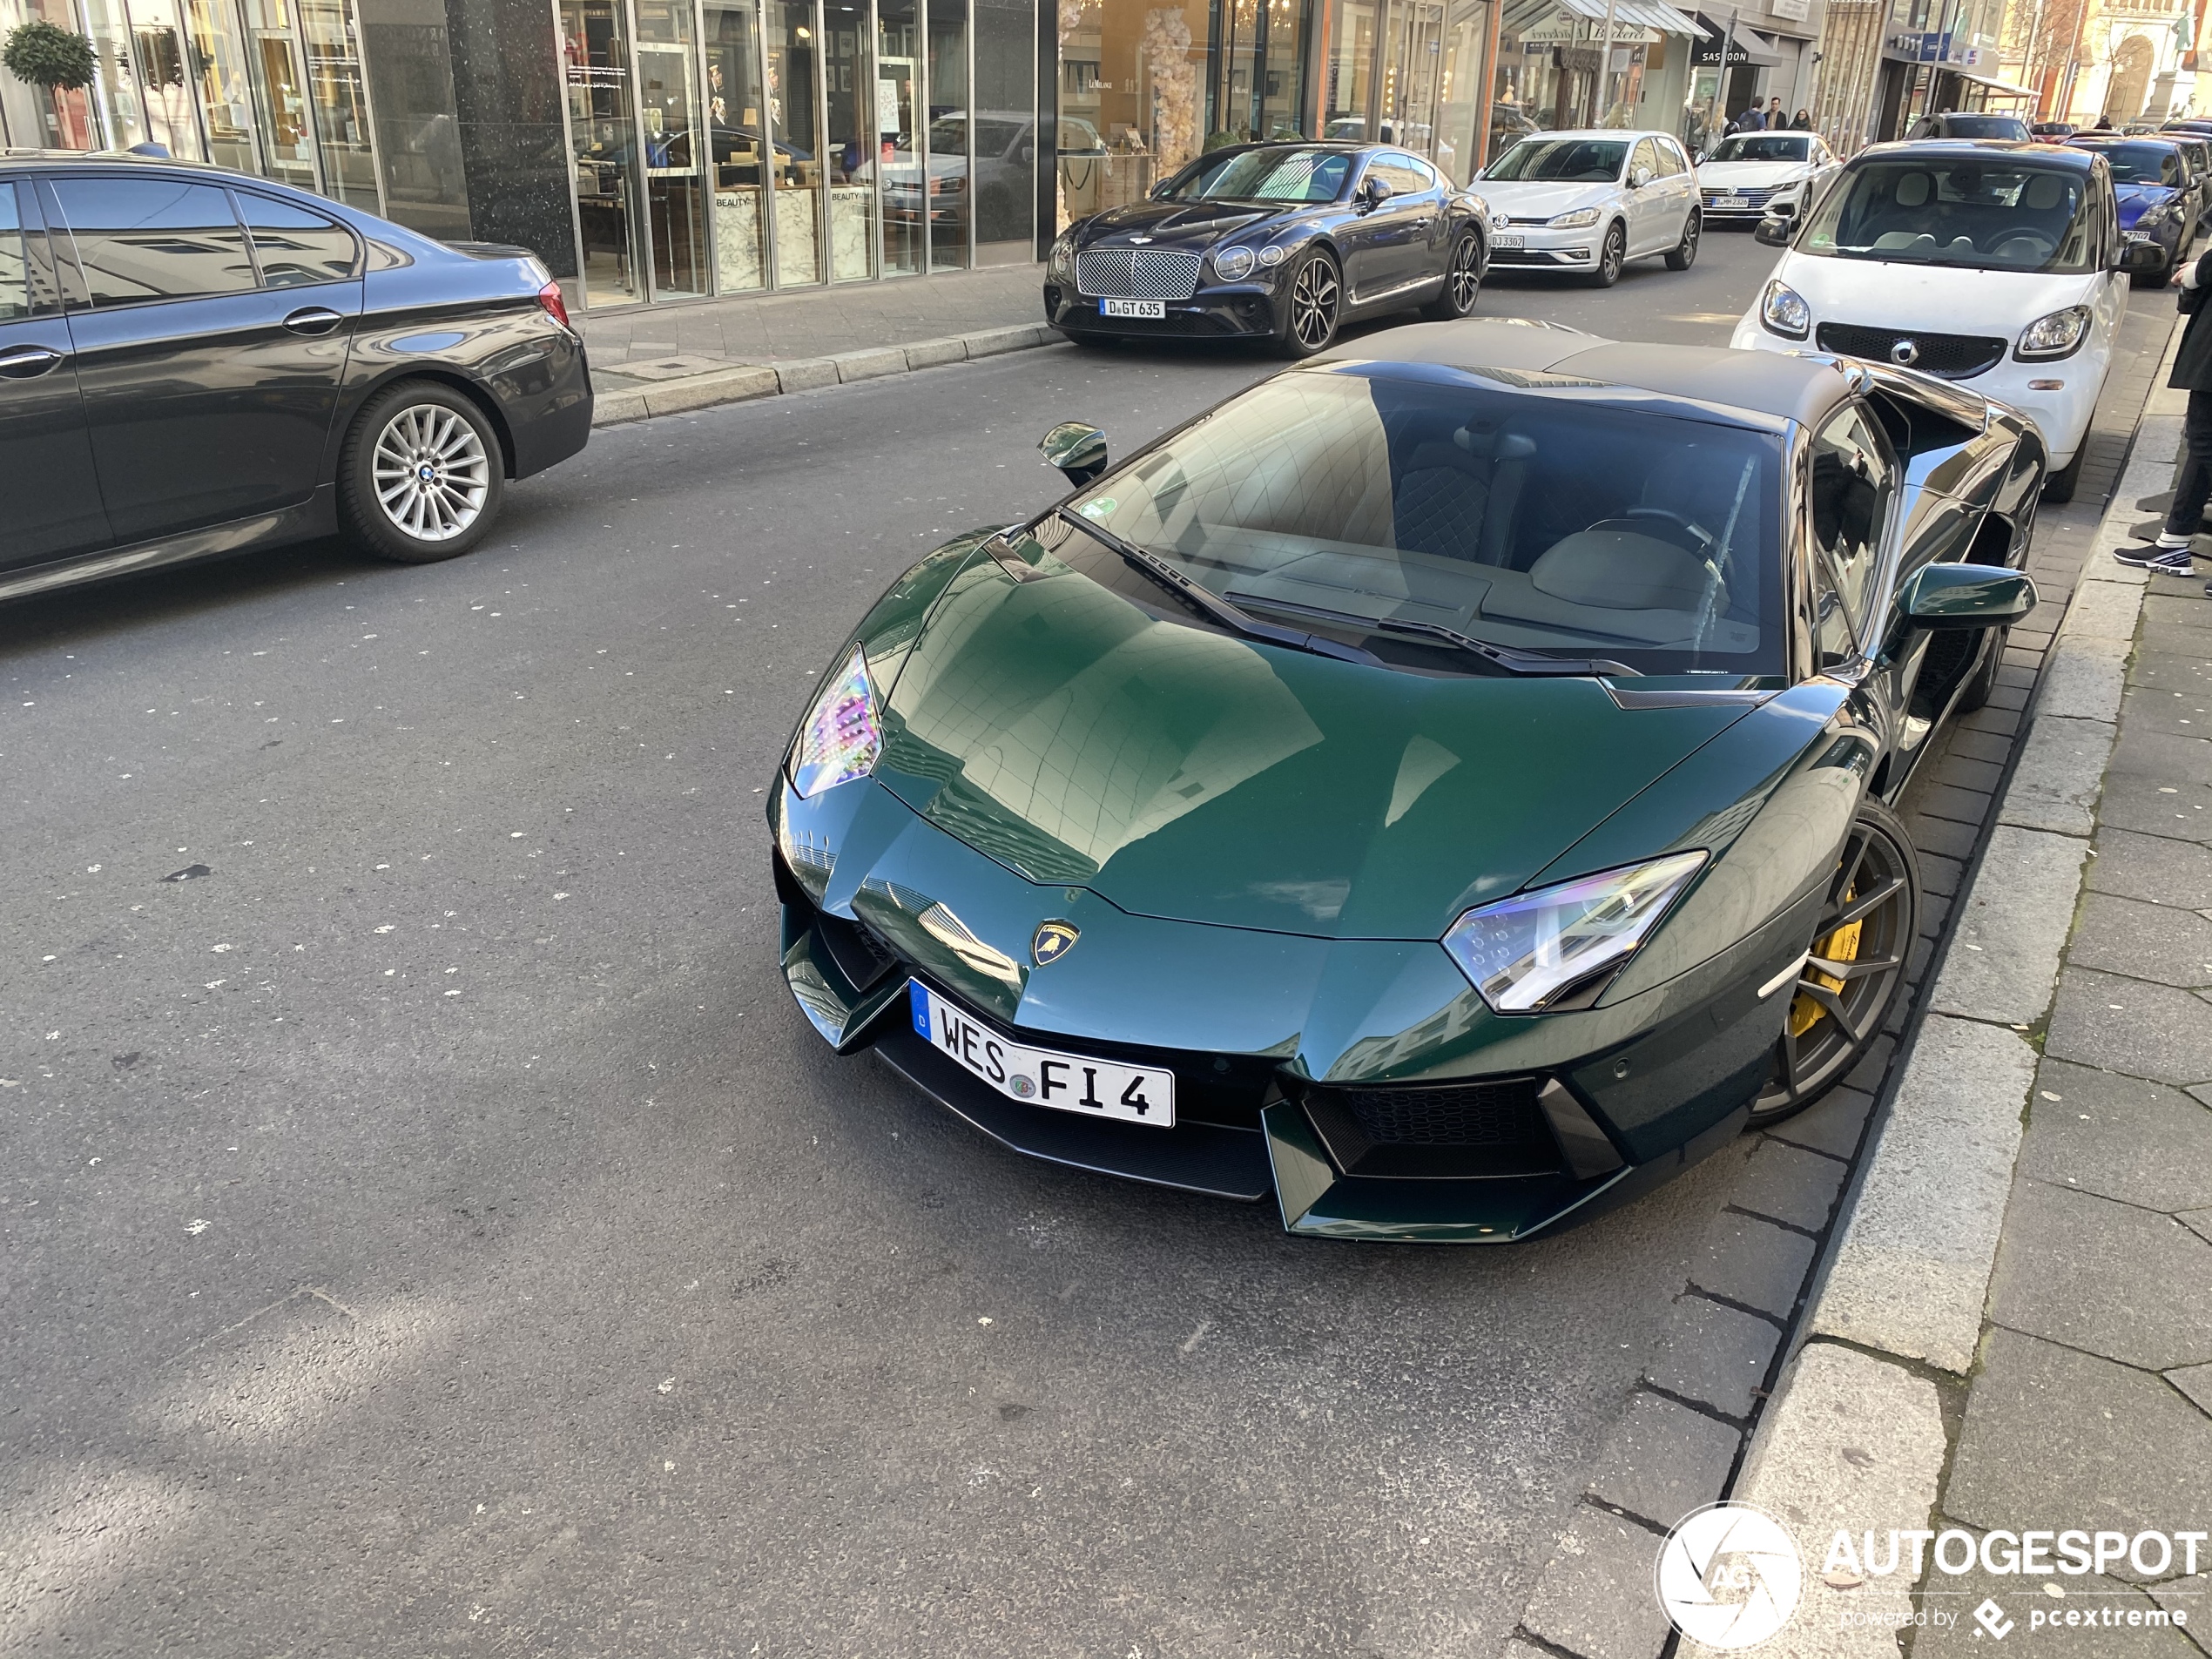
(2169, 555)
(2104, 124)
(1801, 122)
(1776, 121)
(1750, 121)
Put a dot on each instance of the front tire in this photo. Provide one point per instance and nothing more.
(1315, 305)
(1462, 281)
(421, 476)
(1612, 255)
(1854, 969)
(1684, 252)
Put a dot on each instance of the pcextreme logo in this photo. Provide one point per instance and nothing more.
(1728, 1575)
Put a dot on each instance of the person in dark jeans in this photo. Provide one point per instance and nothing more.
(2169, 555)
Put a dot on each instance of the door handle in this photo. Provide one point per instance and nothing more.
(28, 362)
(315, 319)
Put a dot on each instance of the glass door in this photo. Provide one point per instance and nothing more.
(158, 42)
(676, 146)
(735, 118)
(1412, 84)
(847, 97)
(280, 94)
(115, 74)
(603, 132)
(901, 117)
(944, 165)
(340, 99)
(226, 90)
(795, 126)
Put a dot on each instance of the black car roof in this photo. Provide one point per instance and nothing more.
(1777, 386)
(2064, 155)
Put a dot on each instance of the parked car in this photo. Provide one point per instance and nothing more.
(2000, 268)
(1970, 124)
(1005, 170)
(194, 361)
(1749, 175)
(2161, 195)
(1448, 785)
(2198, 149)
(1588, 201)
(2052, 132)
(1276, 242)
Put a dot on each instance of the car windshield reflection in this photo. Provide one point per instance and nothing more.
(1764, 146)
(1534, 513)
(1269, 176)
(1584, 161)
(1967, 213)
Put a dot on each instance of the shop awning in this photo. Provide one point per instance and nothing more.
(1748, 46)
(2010, 89)
(1641, 14)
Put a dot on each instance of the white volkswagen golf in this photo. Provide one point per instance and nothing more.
(1590, 201)
(1999, 266)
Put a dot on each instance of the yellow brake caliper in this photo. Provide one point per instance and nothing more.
(1842, 946)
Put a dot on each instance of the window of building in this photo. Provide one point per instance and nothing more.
(153, 238)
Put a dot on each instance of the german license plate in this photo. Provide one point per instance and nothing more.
(1068, 1082)
(1730, 204)
(1155, 309)
(1503, 240)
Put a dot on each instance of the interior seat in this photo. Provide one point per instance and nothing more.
(1618, 564)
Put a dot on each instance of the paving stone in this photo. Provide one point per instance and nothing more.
(1912, 1270)
(2192, 1597)
(2195, 1381)
(2103, 1277)
(1751, 1261)
(2039, 1616)
(990, 342)
(2152, 867)
(1832, 1125)
(1991, 718)
(2130, 1025)
(1959, 805)
(1981, 745)
(1940, 875)
(1790, 1184)
(2142, 752)
(2127, 1448)
(2198, 1221)
(1663, 1460)
(935, 353)
(2143, 941)
(1873, 1066)
(2156, 806)
(1935, 910)
(2102, 612)
(871, 363)
(2083, 679)
(806, 373)
(2005, 948)
(2054, 785)
(2119, 1137)
(2008, 696)
(1964, 772)
(1846, 1437)
(1940, 835)
(1713, 1355)
(1595, 1598)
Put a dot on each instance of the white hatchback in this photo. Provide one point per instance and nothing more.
(1999, 266)
(1590, 201)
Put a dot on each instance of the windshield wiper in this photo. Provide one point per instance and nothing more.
(1516, 662)
(1205, 600)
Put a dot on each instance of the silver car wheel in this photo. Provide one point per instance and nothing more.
(430, 472)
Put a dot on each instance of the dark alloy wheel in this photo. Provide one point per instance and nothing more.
(1855, 968)
(1316, 299)
(1612, 254)
(1684, 252)
(1462, 281)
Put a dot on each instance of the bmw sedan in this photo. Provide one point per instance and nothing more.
(1447, 788)
(1281, 242)
(194, 362)
(1589, 202)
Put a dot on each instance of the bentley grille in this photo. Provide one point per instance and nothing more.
(1136, 273)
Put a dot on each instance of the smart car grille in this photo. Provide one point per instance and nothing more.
(1137, 273)
(1750, 198)
(1951, 357)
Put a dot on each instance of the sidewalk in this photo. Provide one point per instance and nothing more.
(2014, 1330)
(661, 360)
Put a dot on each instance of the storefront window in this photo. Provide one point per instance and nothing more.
(340, 101)
(158, 41)
(900, 119)
(847, 97)
(1133, 98)
(948, 184)
(225, 92)
(418, 136)
(603, 129)
(797, 127)
(1005, 131)
(280, 82)
(117, 87)
(740, 176)
(669, 105)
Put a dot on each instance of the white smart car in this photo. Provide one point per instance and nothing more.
(1999, 266)
(1750, 174)
(1590, 201)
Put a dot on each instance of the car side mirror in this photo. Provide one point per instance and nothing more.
(1159, 191)
(2139, 256)
(1966, 595)
(1639, 177)
(1076, 449)
(1373, 192)
(1775, 230)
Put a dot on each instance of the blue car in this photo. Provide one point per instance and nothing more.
(2160, 196)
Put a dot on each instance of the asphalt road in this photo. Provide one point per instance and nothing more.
(429, 1228)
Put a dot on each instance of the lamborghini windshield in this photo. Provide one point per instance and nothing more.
(1536, 512)
(1968, 211)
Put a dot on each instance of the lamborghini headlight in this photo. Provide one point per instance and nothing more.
(1573, 221)
(2057, 335)
(1785, 312)
(1525, 953)
(839, 739)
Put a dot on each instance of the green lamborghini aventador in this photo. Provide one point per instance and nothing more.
(1444, 786)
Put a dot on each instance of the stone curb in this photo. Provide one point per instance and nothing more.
(742, 383)
(1855, 1434)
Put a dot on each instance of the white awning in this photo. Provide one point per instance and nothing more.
(2010, 88)
(1644, 14)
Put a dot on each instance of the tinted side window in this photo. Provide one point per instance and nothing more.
(1402, 173)
(1670, 159)
(1851, 491)
(294, 246)
(153, 238)
(14, 265)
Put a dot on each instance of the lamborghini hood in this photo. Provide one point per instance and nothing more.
(1186, 774)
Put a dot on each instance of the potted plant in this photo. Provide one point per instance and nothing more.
(46, 55)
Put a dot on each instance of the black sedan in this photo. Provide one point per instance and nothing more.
(194, 362)
(1277, 242)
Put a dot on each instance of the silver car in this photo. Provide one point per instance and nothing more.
(1589, 201)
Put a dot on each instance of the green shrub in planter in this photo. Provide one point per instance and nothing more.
(45, 54)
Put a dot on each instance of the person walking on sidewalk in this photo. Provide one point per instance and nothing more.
(2169, 555)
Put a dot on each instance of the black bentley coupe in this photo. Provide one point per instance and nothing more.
(1277, 242)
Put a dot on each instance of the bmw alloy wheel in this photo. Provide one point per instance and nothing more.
(430, 472)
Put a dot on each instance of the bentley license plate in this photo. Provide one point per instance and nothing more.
(1729, 204)
(1155, 309)
(1068, 1082)
(1503, 240)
